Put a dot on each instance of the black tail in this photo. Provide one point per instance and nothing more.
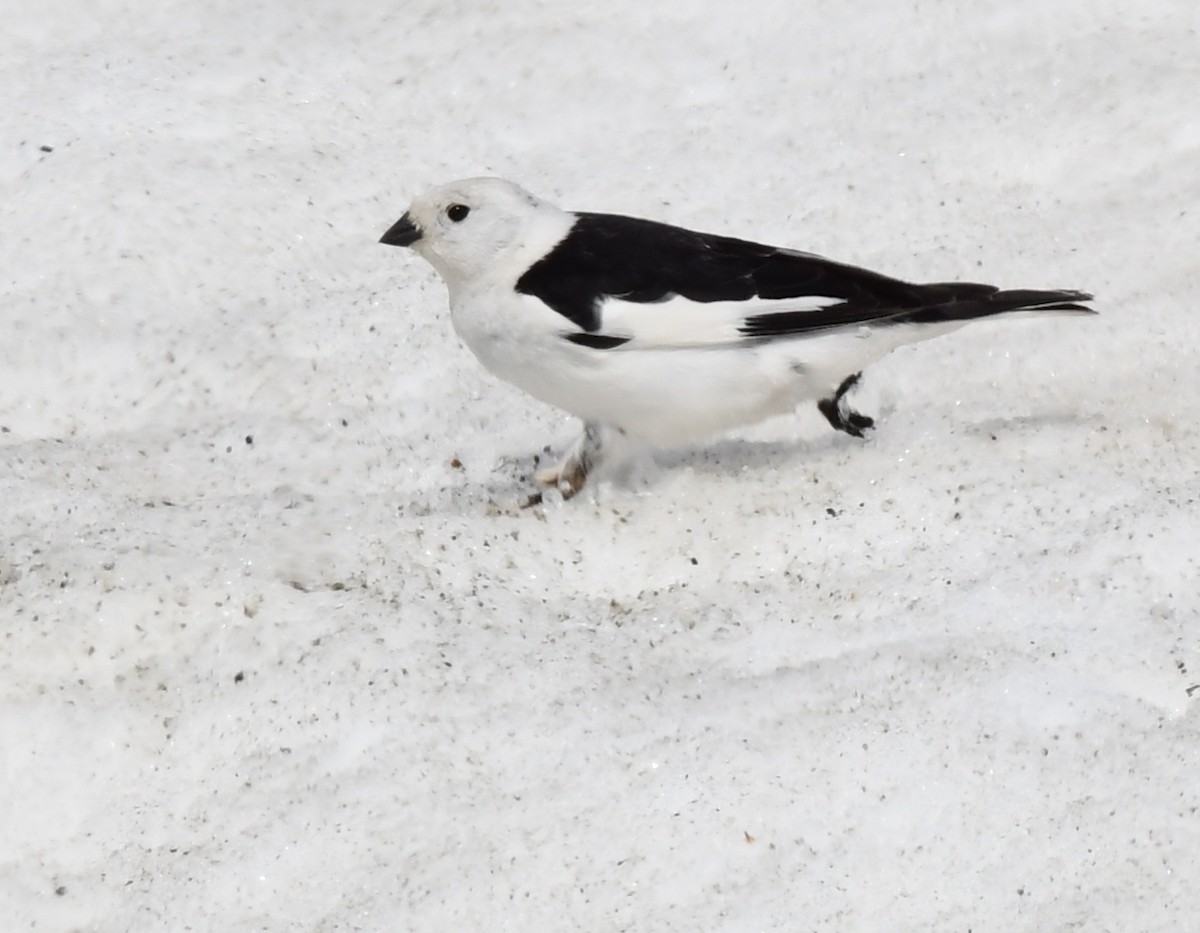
(976, 301)
(931, 304)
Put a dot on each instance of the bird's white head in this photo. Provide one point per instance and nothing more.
(479, 229)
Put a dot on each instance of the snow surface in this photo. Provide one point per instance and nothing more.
(270, 661)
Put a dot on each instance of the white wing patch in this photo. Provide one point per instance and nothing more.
(681, 322)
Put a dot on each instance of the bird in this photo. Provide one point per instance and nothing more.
(660, 335)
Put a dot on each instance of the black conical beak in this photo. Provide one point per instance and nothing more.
(402, 233)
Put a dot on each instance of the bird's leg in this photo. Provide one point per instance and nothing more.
(838, 412)
(587, 453)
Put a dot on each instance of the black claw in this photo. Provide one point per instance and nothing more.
(847, 384)
(851, 422)
(852, 428)
(828, 407)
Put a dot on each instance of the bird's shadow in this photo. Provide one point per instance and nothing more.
(814, 440)
(722, 456)
(1012, 425)
(510, 487)
(733, 453)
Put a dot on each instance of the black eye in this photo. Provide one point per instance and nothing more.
(458, 212)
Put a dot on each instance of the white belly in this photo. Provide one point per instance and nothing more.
(659, 395)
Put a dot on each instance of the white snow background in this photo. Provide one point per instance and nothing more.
(270, 661)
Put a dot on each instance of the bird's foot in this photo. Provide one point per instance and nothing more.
(840, 415)
(568, 477)
(571, 474)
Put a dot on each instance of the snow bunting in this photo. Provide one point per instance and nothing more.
(663, 334)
